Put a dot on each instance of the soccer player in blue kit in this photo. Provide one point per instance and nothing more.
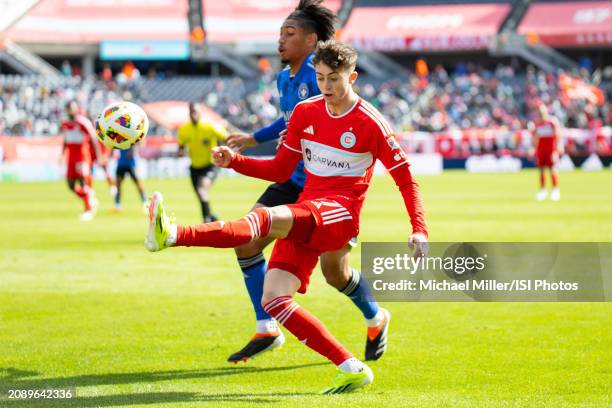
(126, 165)
(308, 24)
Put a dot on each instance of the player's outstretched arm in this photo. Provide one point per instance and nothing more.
(414, 205)
(393, 157)
(278, 169)
(240, 141)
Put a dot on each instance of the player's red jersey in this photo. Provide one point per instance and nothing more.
(77, 139)
(339, 154)
(546, 132)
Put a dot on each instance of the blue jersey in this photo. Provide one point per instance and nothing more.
(127, 158)
(292, 90)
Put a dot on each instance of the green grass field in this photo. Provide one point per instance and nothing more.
(84, 305)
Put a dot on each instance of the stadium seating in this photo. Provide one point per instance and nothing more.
(468, 97)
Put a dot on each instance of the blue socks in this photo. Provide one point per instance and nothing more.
(254, 271)
(359, 292)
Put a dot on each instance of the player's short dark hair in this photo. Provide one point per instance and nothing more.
(312, 17)
(337, 55)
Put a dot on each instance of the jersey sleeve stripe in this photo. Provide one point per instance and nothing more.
(380, 126)
(397, 165)
(292, 149)
(380, 117)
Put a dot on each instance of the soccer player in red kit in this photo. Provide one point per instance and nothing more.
(102, 160)
(79, 137)
(545, 133)
(339, 136)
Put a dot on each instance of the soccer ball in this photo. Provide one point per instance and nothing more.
(122, 125)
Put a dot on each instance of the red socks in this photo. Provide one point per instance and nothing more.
(555, 178)
(230, 234)
(83, 193)
(307, 328)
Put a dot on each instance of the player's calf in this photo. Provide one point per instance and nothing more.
(261, 222)
(312, 333)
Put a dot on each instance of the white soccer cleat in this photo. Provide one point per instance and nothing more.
(93, 202)
(348, 382)
(160, 225)
(542, 195)
(555, 194)
(87, 216)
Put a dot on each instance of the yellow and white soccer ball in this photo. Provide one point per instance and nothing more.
(122, 125)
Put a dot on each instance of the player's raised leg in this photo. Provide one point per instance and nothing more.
(163, 232)
(338, 273)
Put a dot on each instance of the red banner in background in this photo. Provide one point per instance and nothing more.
(569, 23)
(576, 88)
(427, 28)
(34, 149)
(92, 21)
(449, 144)
(174, 114)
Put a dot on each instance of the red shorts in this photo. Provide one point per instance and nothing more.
(545, 158)
(334, 227)
(78, 170)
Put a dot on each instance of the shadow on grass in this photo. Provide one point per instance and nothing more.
(12, 379)
(151, 398)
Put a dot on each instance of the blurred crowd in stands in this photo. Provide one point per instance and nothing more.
(484, 99)
(429, 100)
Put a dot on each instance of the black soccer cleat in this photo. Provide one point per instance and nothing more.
(257, 345)
(376, 341)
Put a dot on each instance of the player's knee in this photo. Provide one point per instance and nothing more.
(335, 275)
(249, 250)
(266, 298)
(269, 296)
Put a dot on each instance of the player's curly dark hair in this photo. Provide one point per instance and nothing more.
(337, 55)
(315, 18)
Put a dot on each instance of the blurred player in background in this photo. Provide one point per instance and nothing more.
(102, 161)
(126, 165)
(199, 137)
(339, 136)
(547, 138)
(309, 23)
(79, 140)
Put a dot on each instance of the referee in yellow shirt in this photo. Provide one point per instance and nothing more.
(199, 137)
